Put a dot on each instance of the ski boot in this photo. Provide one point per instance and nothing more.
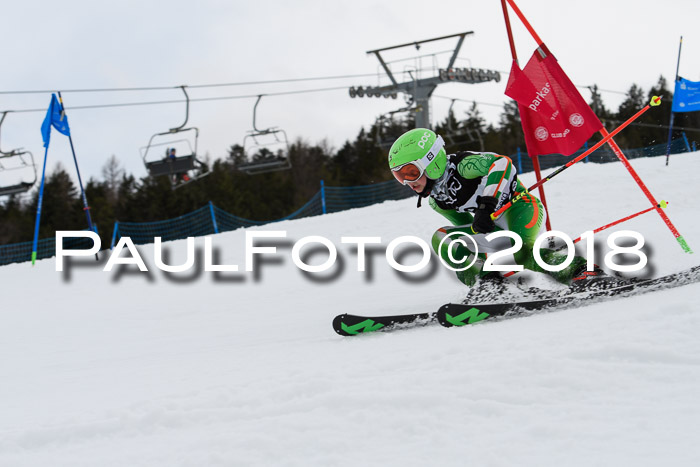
(492, 287)
(595, 280)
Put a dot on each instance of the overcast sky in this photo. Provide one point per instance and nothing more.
(72, 45)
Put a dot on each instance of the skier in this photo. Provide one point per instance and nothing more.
(466, 188)
(171, 155)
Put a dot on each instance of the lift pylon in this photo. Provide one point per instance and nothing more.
(420, 90)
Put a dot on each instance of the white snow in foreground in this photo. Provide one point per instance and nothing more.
(203, 369)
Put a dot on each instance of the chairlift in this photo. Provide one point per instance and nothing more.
(180, 169)
(384, 125)
(259, 143)
(17, 160)
(461, 135)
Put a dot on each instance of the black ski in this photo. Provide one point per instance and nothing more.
(350, 325)
(461, 314)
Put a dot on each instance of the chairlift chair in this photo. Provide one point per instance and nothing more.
(175, 167)
(383, 125)
(26, 165)
(454, 134)
(271, 138)
(21, 160)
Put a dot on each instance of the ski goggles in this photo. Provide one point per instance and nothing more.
(411, 171)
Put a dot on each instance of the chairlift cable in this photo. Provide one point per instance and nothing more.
(205, 99)
(180, 101)
(468, 100)
(163, 88)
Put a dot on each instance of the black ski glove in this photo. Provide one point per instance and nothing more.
(482, 217)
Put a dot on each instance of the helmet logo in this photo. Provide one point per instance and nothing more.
(424, 139)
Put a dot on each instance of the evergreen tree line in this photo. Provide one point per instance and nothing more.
(120, 196)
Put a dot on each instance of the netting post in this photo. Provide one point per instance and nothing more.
(520, 162)
(213, 218)
(323, 198)
(687, 144)
(114, 234)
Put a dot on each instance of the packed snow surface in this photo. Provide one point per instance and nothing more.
(130, 368)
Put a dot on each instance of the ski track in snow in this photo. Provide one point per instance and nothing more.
(195, 369)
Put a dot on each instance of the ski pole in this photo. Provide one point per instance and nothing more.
(653, 103)
(662, 204)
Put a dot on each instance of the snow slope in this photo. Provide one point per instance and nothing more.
(126, 368)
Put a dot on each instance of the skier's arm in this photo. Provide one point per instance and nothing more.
(497, 169)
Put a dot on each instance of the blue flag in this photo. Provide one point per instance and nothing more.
(686, 97)
(54, 117)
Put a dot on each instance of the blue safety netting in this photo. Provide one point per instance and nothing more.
(46, 248)
(210, 219)
(193, 224)
(343, 198)
(601, 155)
(226, 221)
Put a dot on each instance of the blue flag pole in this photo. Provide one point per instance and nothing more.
(56, 118)
(86, 207)
(670, 124)
(38, 208)
(46, 136)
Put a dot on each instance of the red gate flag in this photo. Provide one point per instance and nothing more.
(555, 118)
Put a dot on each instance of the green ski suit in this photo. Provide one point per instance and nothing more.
(469, 175)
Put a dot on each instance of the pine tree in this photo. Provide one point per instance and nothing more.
(655, 122)
(61, 207)
(510, 130)
(462, 135)
(633, 136)
(597, 105)
(112, 173)
(476, 124)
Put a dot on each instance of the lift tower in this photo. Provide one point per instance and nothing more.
(419, 90)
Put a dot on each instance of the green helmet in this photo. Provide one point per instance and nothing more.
(423, 147)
